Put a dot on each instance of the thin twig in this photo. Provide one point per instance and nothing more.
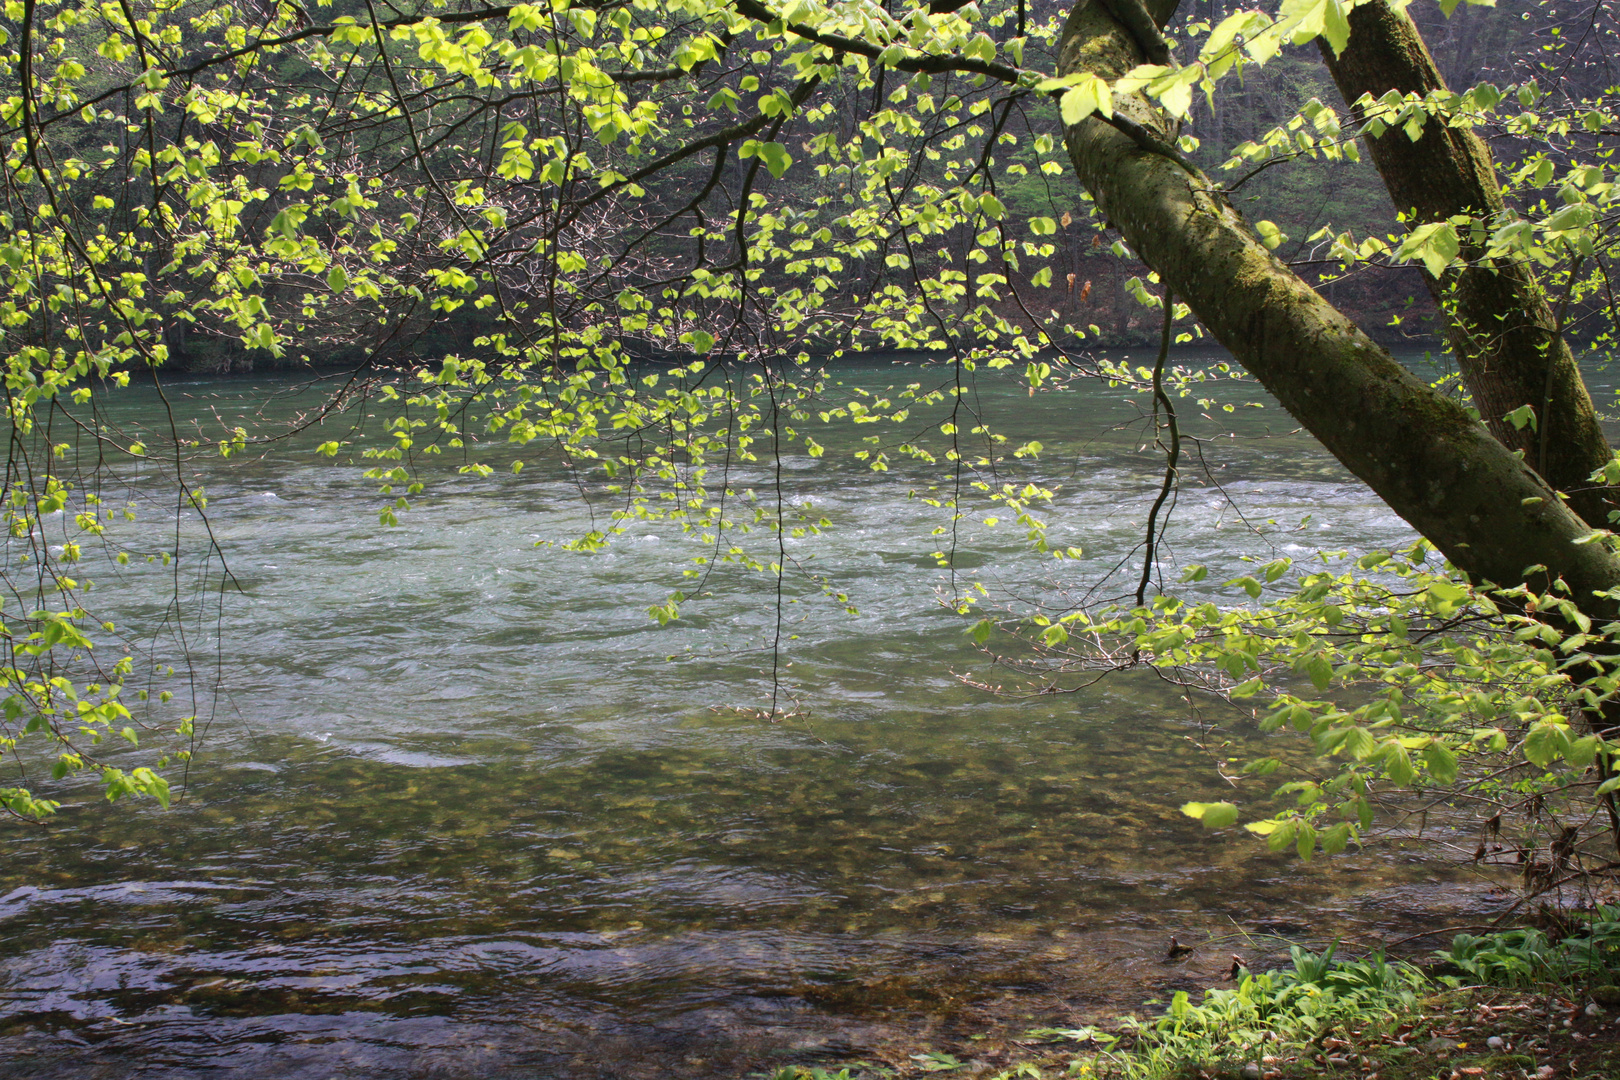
(1172, 457)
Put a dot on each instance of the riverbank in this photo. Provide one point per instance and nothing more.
(1515, 1005)
(1478, 1033)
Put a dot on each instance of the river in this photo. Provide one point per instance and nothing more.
(464, 810)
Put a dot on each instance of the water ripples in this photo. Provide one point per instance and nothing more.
(469, 812)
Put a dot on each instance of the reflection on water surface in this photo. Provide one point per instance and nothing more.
(465, 811)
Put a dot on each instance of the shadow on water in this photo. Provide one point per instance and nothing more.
(468, 813)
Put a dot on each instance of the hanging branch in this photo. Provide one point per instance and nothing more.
(1172, 454)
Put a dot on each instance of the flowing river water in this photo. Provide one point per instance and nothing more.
(464, 810)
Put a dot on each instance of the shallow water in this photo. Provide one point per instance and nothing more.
(464, 810)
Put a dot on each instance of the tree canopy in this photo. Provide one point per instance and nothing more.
(629, 236)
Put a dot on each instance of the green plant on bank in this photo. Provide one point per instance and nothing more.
(1284, 1017)
(1270, 1013)
(1589, 954)
(1291, 1010)
(1275, 1013)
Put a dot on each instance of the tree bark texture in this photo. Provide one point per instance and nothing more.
(1500, 325)
(1482, 506)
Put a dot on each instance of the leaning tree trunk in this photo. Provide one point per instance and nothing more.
(1506, 338)
(1482, 506)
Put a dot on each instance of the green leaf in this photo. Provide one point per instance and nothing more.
(1434, 244)
(776, 158)
(153, 785)
(1283, 835)
(1305, 841)
(981, 631)
(337, 280)
(937, 1061)
(1214, 815)
(1524, 414)
(1398, 763)
(1091, 94)
(1570, 219)
(1359, 743)
(1441, 761)
(1250, 586)
(1246, 689)
(1175, 89)
(1583, 751)
(1447, 592)
(1320, 669)
(1546, 743)
(1336, 29)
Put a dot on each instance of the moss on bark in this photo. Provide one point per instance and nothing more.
(1481, 505)
(1501, 327)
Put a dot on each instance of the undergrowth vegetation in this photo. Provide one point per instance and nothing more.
(1524, 1003)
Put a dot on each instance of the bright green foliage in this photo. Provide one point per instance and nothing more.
(1269, 1013)
(572, 187)
(1401, 677)
(799, 1072)
(1293, 1009)
(1528, 957)
(648, 222)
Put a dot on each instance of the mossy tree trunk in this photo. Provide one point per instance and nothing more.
(1504, 333)
(1482, 506)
